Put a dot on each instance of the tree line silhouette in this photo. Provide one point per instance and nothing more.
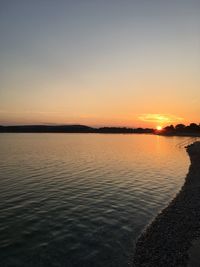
(182, 129)
(70, 129)
(179, 129)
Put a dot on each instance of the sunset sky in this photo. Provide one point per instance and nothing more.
(113, 62)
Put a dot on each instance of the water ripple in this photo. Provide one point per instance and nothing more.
(82, 200)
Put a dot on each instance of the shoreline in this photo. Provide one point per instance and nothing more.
(105, 133)
(76, 128)
(168, 240)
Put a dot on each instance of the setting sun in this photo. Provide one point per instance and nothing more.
(159, 128)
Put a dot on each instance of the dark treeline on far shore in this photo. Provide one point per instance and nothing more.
(179, 129)
(70, 129)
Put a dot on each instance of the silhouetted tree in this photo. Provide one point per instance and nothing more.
(180, 127)
(169, 128)
(193, 127)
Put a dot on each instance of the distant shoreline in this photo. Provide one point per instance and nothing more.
(71, 129)
(87, 129)
(169, 238)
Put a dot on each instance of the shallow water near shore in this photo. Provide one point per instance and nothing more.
(83, 199)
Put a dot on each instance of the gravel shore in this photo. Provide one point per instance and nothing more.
(168, 240)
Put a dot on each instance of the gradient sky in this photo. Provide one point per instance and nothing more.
(123, 63)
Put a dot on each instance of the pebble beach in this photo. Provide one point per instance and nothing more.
(172, 239)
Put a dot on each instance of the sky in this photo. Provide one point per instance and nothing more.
(100, 62)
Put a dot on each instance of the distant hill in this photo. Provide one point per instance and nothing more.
(46, 129)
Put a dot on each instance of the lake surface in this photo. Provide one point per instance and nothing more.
(81, 200)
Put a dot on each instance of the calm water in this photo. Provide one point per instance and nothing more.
(82, 199)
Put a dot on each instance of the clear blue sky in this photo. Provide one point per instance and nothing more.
(99, 62)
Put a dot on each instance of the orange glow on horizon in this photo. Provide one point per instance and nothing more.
(160, 119)
(159, 128)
